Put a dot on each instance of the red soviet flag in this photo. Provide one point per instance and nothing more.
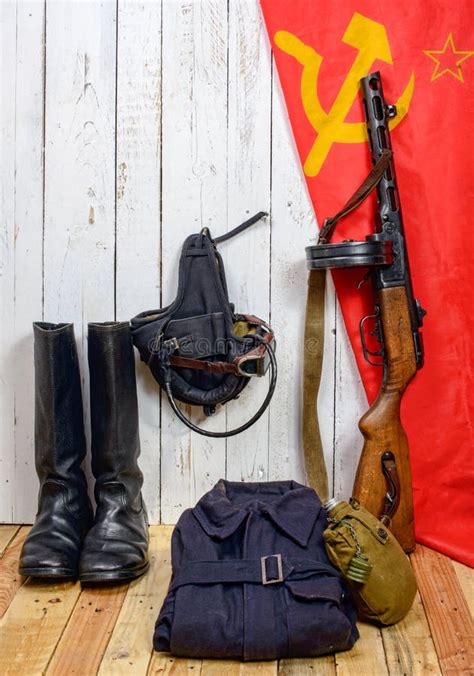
(425, 53)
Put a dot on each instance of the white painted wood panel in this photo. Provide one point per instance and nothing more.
(247, 256)
(194, 185)
(138, 204)
(156, 118)
(28, 252)
(79, 198)
(7, 257)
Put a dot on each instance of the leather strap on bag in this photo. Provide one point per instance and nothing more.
(201, 365)
(314, 337)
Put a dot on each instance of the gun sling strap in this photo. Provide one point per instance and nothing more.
(361, 254)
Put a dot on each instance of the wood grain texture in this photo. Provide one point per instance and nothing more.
(235, 668)
(381, 425)
(366, 657)
(320, 666)
(130, 649)
(33, 625)
(409, 647)
(164, 665)
(259, 668)
(88, 631)
(443, 598)
(465, 576)
(57, 625)
(10, 579)
(7, 533)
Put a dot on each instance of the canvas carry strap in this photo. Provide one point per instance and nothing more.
(313, 362)
(314, 337)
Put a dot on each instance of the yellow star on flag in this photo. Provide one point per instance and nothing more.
(448, 59)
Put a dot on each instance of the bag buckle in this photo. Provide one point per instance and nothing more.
(171, 345)
(263, 563)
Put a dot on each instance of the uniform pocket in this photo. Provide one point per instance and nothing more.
(322, 588)
(317, 621)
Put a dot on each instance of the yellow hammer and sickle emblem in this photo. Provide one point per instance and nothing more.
(371, 41)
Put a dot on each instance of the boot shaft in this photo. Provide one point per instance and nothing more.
(60, 444)
(52, 547)
(115, 442)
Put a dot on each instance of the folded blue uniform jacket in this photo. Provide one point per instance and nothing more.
(251, 579)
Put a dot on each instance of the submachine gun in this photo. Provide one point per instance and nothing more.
(383, 479)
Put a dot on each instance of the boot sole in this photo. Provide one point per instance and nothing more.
(114, 575)
(64, 573)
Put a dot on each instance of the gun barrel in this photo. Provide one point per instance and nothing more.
(389, 221)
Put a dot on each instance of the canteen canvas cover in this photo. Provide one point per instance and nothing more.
(425, 53)
(371, 561)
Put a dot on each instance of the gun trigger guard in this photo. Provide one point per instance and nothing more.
(377, 333)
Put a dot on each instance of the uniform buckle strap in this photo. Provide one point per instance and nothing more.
(263, 563)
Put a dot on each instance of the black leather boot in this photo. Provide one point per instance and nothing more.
(116, 547)
(53, 546)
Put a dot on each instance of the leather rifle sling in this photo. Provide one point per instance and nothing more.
(316, 471)
(313, 362)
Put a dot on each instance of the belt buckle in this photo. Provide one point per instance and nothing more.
(263, 560)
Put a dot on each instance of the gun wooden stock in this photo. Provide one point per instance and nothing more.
(381, 425)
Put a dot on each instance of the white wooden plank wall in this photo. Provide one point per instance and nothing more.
(156, 118)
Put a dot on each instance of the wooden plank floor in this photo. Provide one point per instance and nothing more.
(63, 629)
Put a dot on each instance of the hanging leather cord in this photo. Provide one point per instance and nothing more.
(240, 228)
(245, 426)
